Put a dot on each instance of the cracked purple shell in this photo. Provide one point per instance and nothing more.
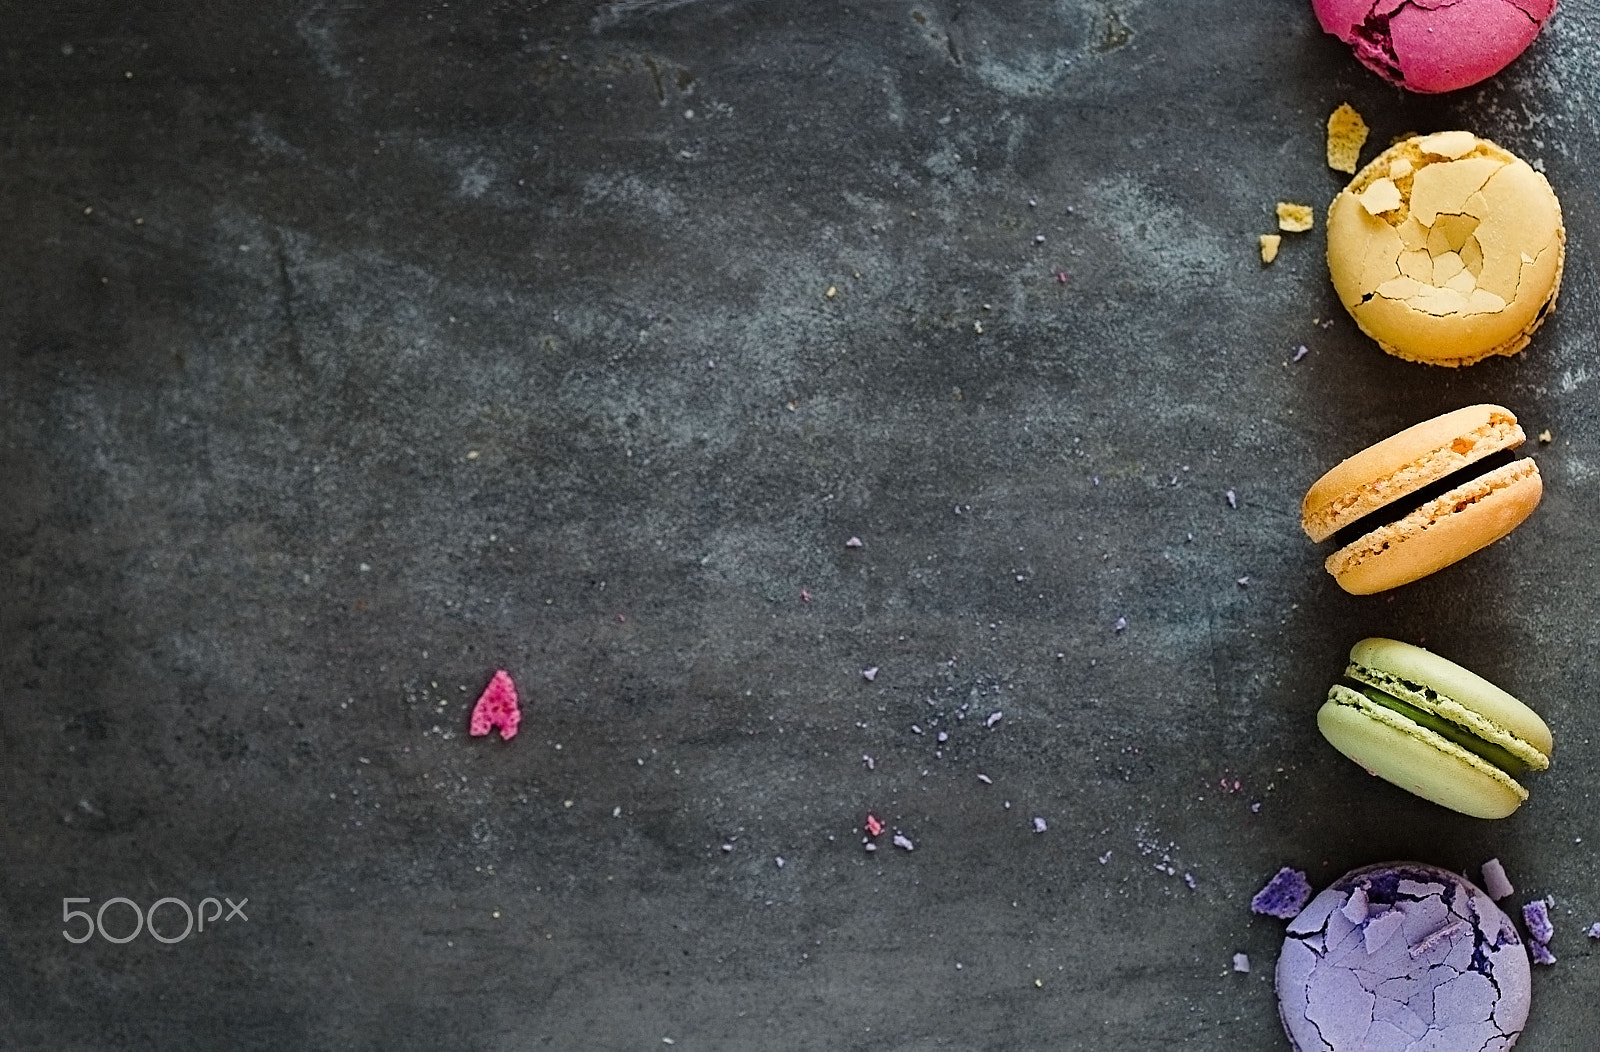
(1402, 957)
(1435, 45)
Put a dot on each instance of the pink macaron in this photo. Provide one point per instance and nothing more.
(1435, 45)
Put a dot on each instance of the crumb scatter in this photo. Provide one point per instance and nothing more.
(1295, 218)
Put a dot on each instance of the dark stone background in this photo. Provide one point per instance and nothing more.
(351, 351)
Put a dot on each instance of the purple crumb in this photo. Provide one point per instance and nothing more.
(903, 841)
(1233, 500)
(1594, 930)
(1039, 824)
(1241, 962)
(1285, 895)
(1536, 915)
(1120, 624)
(1449, 931)
(854, 542)
(1541, 953)
(870, 674)
(1301, 351)
(1188, 878)
(1494, 880)
(994, 718)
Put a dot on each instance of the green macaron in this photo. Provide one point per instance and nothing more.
(1431, 727)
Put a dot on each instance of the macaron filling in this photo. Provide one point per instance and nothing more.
(1485, 750)
(1398, 509)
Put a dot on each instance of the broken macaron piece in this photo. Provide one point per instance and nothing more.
(1402, 956)
(1423, 499)
(1431, 46)
(1447, 249)
(1434, 729)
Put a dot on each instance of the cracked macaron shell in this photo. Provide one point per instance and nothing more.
(1392, 746)
(1447, 249)
(1402, 956)
(1432, 46)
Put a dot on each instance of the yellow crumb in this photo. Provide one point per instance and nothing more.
(1296, 219)
(1347, 133)
(1269, 246)
(1545, 438)
(832, 292)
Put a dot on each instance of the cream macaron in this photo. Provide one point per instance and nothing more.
(1434, 729)
(1422, 499)
(1447, 249)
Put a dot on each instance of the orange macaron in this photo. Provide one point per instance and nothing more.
(1423, 499)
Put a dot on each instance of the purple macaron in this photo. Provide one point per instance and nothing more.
(1402, 956)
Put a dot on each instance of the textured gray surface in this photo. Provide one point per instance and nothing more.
(353, 351)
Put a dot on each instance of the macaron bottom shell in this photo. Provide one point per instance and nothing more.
(1416, 759)
(1442, 532)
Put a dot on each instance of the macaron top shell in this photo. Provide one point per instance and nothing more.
(1432, 46)
(1438, 685)
(1399, 957)
(1447, 249)
(1404, 463)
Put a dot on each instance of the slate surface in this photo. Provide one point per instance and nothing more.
(353, 351)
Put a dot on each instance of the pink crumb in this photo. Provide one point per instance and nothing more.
(874, 827)
(497, 707)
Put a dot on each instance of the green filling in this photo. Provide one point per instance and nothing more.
(1496, 755)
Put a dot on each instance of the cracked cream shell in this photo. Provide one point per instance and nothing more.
(1446, 529)
(1447, 249)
